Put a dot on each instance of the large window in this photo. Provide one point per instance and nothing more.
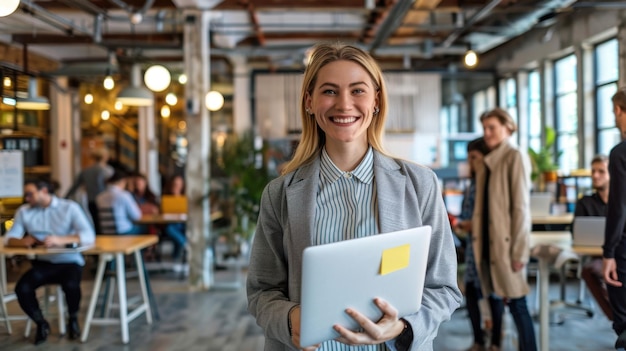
(566, 112)
(606, 75)
(482, 101)
(508, 96)
(534, 110)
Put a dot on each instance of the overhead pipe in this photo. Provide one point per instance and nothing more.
(85, 6)
(480, 14)
(38, 10)
(130, 9)
(391, 22)
(527, 21)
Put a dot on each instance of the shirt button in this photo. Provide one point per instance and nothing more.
(348, 175)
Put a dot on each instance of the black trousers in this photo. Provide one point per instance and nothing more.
(68, 275)
(617, 295)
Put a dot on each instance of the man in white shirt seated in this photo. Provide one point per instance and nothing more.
(119, 200)
(52, 222)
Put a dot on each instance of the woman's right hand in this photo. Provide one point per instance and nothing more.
(294, 321)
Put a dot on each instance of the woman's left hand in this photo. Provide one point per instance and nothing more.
(387, 328)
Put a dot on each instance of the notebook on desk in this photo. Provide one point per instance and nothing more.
(173, 204)
(540, 204)
(352, 273)
(588, 231)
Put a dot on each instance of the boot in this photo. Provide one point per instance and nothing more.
(73, 330)
(43, 330)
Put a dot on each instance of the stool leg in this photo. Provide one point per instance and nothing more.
(5, 314)
(61, 309)
(109, 297)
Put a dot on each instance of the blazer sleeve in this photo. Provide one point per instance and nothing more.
(267, 283)
(519, 185)
(441, 293)
(616, 212)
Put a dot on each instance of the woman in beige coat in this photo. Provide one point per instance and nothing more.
(501, 222)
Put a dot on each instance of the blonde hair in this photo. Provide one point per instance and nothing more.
(619, 98)
(313, 138)
(502, 116)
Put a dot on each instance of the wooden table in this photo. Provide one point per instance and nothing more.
(562, 240)
(167, 218)
(108, 247)
(563, 219)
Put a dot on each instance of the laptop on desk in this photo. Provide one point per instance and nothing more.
(588, 231)
(173, 204)
(540, 204)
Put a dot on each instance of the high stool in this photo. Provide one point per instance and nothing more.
(60, 297)
(6, 297)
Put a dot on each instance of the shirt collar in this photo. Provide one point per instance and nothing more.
(364, 172)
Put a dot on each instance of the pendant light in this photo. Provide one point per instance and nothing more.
(134, 94)
(33, 102)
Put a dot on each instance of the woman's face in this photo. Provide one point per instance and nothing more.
(494, 132)
(343, 102)
(177, 186)
(140, 185)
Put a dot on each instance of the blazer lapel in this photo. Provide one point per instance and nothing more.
(301, 204)
(390, 190)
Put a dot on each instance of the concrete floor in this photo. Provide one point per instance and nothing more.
(218, 321)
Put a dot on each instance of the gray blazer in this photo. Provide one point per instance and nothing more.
(408, 196)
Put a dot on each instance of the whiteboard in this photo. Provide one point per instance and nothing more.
(11, 173)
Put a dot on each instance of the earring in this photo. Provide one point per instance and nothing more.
(376, 110)
(308, 112)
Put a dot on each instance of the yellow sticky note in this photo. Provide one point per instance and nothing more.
(395, 258)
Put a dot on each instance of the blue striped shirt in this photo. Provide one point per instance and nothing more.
(345, 208)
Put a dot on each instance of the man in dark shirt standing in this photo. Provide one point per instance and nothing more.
(614, 248)
(595, 205)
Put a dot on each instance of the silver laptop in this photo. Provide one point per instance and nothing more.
(540, 204)
(588, 231)
(352, 273)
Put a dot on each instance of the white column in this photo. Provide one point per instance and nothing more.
(61, 140)
(148, 148)
(196, 49)
(242, 114)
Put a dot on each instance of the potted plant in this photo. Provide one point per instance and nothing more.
(242, 163)
(543, 160)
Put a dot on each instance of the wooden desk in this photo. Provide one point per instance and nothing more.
(563, 219)
(560, 239)
(108, 247)
(168, 218)
(118, 246)
(588, 250)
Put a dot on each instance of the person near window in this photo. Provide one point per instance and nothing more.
(340, 178)
(501, 222)
(614, 248)
(595, 205)
(51, 222)
(176, 231)
(476, 150)
(93, 178)
(121, 202)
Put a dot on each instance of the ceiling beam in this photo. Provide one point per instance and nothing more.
(249, 6)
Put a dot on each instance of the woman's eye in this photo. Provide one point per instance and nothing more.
(329, 92)
(358, 91)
